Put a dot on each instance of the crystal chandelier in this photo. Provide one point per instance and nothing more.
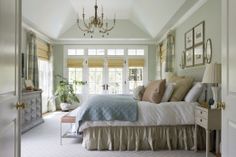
(95, 22)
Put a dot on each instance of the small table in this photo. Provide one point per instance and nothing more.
(209, 119)
(68, 119)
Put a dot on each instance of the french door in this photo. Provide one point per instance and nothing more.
(106, 70)
(105, 80)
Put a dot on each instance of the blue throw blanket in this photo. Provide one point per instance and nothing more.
(108, 108)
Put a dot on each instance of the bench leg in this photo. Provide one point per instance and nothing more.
(60, 133)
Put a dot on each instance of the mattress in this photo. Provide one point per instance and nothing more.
(151, 114)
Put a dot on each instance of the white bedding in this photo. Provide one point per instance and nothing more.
(151, 114)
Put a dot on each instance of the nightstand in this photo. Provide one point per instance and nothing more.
(209, 119)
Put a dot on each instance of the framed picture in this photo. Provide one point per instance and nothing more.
(29, 85)
(189, 39)
(199, 55)
(199, 33)
(189, 58)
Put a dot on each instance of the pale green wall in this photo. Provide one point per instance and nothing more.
(211, 14)
(58, 60)
(151, 62)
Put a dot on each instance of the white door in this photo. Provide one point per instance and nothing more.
(229, 78)
(9, 77)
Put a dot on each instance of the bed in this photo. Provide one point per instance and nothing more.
(168, 125)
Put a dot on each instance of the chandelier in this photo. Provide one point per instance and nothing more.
(95, 22)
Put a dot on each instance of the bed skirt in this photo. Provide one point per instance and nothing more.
(142, 138)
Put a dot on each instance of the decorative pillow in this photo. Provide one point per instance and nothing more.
(138, 92)
(181, 88)
(194, 93)
(154, 91)
(168, 92)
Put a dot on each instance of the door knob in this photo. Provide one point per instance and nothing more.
(222, 105)
(20, 106)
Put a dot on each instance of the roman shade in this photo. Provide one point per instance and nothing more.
(74, 63)
(42, 50)
(95, 62)
(115, 63)
(139, 62)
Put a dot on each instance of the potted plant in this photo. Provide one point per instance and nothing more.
(65, 92)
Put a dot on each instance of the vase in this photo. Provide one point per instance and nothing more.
(65, 106)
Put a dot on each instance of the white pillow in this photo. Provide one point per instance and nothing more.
(138, 92)
(168, 92)
(194, 93)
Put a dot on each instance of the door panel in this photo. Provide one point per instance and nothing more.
(115, 81)
(9, 49)
(228, 78)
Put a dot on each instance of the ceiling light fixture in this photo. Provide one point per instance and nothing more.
(95, 22)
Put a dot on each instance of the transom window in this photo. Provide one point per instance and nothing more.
(75, 52)
(115, 52)
(135, 52)
(96, 52)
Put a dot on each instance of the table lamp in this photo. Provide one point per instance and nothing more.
(212, 75)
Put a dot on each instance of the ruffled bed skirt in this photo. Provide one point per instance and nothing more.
(142, 138)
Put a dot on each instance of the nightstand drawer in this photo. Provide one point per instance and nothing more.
(201, 113)
(201, 121)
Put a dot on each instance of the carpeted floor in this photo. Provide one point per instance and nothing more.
(43, 141)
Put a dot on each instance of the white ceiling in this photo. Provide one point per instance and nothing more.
(55, 17)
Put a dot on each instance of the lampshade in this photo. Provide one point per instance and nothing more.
(212, 73)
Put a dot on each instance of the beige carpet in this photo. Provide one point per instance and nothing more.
(43, 141)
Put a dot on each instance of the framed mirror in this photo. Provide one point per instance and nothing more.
(208, 51)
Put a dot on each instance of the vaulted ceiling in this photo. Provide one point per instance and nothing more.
(57, 18)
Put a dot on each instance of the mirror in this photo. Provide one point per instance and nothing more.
(208, 51)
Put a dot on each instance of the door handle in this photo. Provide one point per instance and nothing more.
(222, 105)
(20, 106)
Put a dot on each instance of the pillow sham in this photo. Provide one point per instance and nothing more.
(181, 88)
(154, 91)
(138, 92)
(168, 92)
(194, 93)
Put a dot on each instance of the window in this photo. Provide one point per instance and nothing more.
(106, 70)
(96, 52)
(115, 80)
(95, 80)
(74, 52)
(135, 77)
(135, 52)
(77, 75)
(45, 82)
(115, 52)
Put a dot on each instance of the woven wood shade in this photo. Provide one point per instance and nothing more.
(136, 62)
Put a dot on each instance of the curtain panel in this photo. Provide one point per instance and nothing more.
(170, 48)
(32, 59)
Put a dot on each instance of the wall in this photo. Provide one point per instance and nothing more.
(211, 14)
(58, 54)
(151, 62)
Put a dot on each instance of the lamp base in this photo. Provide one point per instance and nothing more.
(215, 90)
